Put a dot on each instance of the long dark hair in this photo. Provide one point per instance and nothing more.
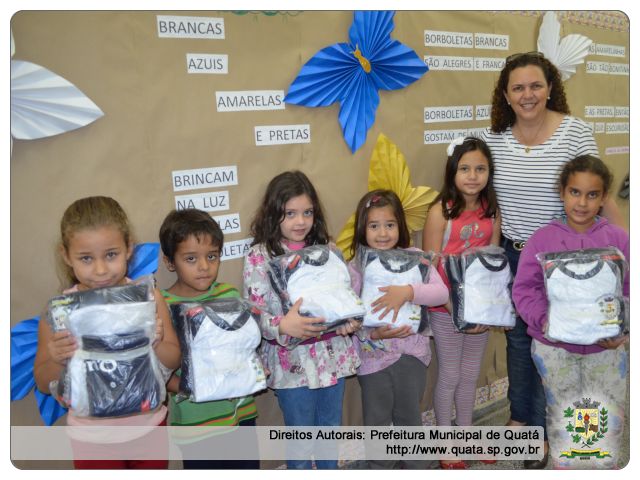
(377, 199)
(265, 227)
(502, 115)
(453, 203)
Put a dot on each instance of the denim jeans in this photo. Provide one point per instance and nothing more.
(526, 393)
(304, 406)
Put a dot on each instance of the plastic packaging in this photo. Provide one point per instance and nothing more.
(114, 372)
(584, 290)
(481, 281)
(319, 276)
(382, 268)
(218, 341)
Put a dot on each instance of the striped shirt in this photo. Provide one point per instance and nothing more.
(526, 183)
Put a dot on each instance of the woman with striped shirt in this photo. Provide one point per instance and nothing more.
(531, 137)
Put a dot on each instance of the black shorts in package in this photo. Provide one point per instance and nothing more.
(319, 276)
(114, 372)
(383, 268)
(481, 281)
(584, 290)
(218, 339)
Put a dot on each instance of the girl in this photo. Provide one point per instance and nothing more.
(464, 215)
(95, 247)
(308, 379)
(393, 372)
(569, 372)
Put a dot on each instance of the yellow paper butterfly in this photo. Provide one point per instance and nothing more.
(388, 170)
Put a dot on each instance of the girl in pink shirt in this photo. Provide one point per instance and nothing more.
(393, 371)
(464, 215)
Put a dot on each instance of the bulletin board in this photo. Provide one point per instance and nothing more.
(194, 115)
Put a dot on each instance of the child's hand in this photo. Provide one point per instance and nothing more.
(613, 343)
(395, 296)
(477, 329)
(55, 393)
(348, 327)
(295, 325)
(173, 384)
(387, 331)
(159, 332)
(62, 346)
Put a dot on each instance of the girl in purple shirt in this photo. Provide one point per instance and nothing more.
(578, 380)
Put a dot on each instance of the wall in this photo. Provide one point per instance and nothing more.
(158, 119)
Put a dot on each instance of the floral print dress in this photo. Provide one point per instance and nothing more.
(316, 365)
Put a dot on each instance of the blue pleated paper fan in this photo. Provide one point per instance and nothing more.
(50, 409)
(144, 260)
(24, 342)
(352, 73)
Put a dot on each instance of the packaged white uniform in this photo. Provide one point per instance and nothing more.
(218, 339)
(481, 281)
(319, 276)
(382, 268)
(584, 289)
(114, 372)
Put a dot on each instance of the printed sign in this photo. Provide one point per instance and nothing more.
(488, 64)
(205, 63)
(599, 111)
(491, 41)
(617, 127)
(208, 202)
(435, 38)
(190, 27)
(483, 112)
(204, 178)
(433, 137)
(229, 223)
(250, 100)
(282, 134)
(597, 67)
(608, 50)
(448, 114)
(622, 112)
(236, 249)
(616, 150)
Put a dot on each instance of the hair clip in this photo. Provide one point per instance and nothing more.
(454, 144)
(372, 200)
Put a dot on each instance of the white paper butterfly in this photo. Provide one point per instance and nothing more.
(565, 54)
(45, 104)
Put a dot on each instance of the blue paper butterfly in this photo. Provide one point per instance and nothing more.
(352, 73)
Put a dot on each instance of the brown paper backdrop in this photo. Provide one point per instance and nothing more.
(158, 118)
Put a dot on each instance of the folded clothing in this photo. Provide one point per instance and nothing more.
(113, 376)
(319, 276)
(584, 289)
(382, 268)
(114, 371)
(481, 281)
(219, 340)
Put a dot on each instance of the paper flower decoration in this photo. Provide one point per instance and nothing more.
(388, 170)
(352, 73)
(44, 104)
(24, 342)
(565, 54)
